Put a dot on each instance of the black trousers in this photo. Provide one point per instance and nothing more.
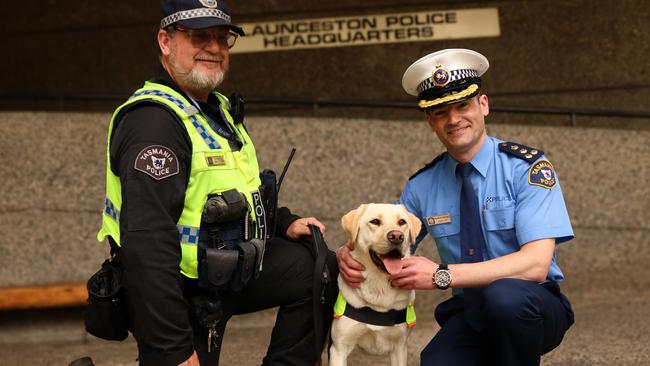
(286, 281)
(523, 320)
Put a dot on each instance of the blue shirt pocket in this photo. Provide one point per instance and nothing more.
(499, 218)
(499, 224)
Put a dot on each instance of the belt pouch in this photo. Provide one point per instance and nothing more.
(259, 255)
(246, 268)
(217, 268)
(105, 315)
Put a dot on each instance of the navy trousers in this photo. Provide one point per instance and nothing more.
(523, 320)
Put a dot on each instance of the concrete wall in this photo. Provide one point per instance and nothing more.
(553, 53)
(52, 167)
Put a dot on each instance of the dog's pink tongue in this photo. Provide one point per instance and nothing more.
(393, 265)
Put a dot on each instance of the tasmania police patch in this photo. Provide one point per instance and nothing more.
(542, 174)
(157, 161)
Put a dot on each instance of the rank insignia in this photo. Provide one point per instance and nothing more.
(521, 151)
(542, 174)
(157, 161)
(440, 76)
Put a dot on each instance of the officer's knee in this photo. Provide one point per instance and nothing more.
(431, 355)
(509, 300)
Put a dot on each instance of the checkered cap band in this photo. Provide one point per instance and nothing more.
(188, 234)
(194, 13)
(453, 76)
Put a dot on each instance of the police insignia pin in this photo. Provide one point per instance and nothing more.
(209, 3)
(440, 76)
(542, 174)
(157, 161)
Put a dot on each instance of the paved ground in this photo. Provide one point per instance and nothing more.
(607, 332)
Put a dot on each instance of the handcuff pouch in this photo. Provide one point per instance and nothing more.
(244, 270)
(217, 267)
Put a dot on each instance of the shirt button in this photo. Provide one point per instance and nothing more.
(502, 222)
(470, 251)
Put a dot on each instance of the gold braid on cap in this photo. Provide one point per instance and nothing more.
(461, 94)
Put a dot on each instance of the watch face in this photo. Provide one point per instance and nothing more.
(443, 278)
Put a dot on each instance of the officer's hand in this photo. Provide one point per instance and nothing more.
(350, 270)
(192, 361)
(300, 227)
(416, 274)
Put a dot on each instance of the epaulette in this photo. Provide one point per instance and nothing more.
(530, 154)
(431, 164)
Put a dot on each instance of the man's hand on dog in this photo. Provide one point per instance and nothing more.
(300, 227)
(416, 274)
(349, 268)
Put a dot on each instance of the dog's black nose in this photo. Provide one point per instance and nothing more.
(395, 237)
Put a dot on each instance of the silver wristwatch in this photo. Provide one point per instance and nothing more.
(442, 277)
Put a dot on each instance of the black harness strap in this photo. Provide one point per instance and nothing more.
(369, 316)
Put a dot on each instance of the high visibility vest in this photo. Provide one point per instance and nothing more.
(215, 168)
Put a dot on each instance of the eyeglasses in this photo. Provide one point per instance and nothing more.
(201, 37)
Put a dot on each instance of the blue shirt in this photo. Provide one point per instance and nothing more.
(514, 209)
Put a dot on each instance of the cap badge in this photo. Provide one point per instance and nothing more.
(209, 3)
(440, 76)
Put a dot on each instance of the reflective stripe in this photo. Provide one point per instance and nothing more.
(411, 319)
(209, 140)
(189, 110)
(110, 210)
(188, 234)
(339, 306)
(159, 93)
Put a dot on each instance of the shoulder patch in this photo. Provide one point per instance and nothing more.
(530, 154)
(430, 165)
(542, 174)
(157, 161)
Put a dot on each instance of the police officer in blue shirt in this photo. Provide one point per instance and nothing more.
(496, 212)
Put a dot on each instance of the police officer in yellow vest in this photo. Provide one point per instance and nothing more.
(174, 146)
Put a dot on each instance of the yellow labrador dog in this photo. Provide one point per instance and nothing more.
(374, 316)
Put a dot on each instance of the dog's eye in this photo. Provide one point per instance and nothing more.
(401, 222)
(375, 222)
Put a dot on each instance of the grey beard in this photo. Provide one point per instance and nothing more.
(195, 80)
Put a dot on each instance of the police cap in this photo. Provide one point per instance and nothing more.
(198, 14)
(445, 77)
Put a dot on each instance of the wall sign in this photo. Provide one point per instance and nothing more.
(368, 30)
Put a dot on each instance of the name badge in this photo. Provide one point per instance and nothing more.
(439, 219)
(217, 160)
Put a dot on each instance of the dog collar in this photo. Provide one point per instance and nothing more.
(370, 316)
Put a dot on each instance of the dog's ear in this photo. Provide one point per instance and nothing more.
(350, 224)
(414, 223)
